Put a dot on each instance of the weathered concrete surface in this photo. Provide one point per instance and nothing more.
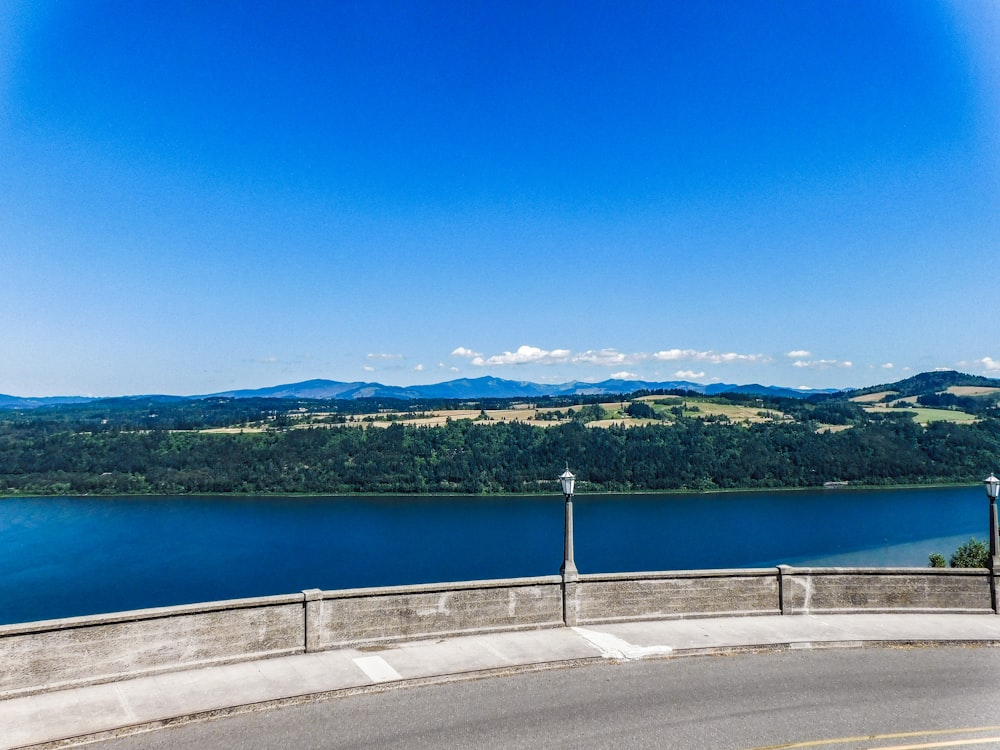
(407, 612)
(82, 650)
(660, 596)
(55, 654)
(149, 702)
(831, 590)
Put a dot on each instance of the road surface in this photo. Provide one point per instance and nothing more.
(836, 698)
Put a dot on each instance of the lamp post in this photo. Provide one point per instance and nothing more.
(992, 485)
(568, 569)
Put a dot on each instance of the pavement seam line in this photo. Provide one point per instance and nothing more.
(125, 705)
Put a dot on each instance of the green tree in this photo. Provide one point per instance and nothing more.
(640, 410)
(589, 413)
(972, 554)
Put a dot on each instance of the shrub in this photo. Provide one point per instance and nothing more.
(973, 554)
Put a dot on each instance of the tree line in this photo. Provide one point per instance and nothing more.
(132, 454)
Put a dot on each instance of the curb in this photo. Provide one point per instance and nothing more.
(327, 695)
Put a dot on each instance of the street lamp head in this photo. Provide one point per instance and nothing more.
(992, 486)
(567, 480)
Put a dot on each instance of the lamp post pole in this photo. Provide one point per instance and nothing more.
(568, 569)
(570, 576)
(992, 485)
(992, 490)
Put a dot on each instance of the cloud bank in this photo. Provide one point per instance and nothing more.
(608, 357)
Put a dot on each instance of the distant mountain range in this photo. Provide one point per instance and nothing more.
(462, 389)
(488, 387)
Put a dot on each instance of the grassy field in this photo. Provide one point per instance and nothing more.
(706, 407)
(924, 416)
(615, 414)
(871, 398)
(972, 390)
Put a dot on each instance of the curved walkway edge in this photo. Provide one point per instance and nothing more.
(68, 717)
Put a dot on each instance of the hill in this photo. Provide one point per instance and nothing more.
(499, 388)
(927, 383)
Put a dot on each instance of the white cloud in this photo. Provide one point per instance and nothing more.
(715, 358)
(799, 354)
(624, 375)
(822, 364)
(672, 354)
(418, 368)
(689, 375)
(607, 357)
(381, 356)
(989, 364)
(887, 366)
(524, 355)
(369, 368)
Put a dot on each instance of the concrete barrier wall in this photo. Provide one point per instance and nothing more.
(85, 650)
(42, 656)
(844, 590)
(663, 596)
(372, 615)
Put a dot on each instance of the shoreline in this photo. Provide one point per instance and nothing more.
(498, 495)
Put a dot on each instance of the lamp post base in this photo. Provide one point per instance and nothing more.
(993, 563)
(568, 571)
(569, 602)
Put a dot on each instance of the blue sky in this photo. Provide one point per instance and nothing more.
(199, 196)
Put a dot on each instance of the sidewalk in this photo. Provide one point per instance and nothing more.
(150, 702)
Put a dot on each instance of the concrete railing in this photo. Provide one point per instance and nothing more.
(42, 656)
(915, 590)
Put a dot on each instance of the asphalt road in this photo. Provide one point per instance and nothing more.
(838, 698)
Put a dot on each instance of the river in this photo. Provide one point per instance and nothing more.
(68, 556)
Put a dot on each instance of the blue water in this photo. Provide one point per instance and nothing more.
(61, 557)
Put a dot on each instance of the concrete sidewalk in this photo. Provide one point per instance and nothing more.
(55, 719)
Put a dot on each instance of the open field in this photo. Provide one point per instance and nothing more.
(613, 413)
(924, 416)
(972, 390)
(229, 430)
(705, 407)
(871, 398)
(622, 422)
(614, 416)
(436, 418)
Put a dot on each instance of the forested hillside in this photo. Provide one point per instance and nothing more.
(647, 443)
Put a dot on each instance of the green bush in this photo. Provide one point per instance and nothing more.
(973, 554)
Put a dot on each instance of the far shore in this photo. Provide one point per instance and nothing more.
(505, 495)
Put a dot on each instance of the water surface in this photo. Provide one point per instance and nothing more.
(70, 556)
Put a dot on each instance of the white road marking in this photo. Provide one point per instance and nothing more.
(612, 647)
(377, 669)
(950, 743)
